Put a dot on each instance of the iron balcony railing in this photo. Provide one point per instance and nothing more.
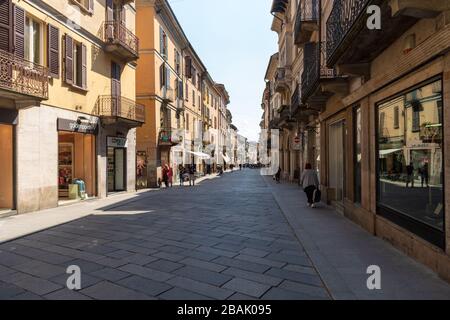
(23, 77)
(120, 107)
(295, 101)
(315, 58)
(115, 32)
(307, 11)
(343, 16)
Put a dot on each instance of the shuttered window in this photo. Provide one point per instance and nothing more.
(53, 51)
(6, 18)
(68, 60)
(162, 75)
(188, 67)
(162, 42)
(19, 36)
(83, 66)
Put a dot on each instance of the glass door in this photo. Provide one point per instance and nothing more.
(119, 170)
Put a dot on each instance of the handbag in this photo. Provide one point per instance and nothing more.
(317, 195)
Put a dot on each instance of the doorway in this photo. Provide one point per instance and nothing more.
(7, 167)
(336, 161)
(116, 169)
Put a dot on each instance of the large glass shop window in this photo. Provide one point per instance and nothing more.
(410, 161)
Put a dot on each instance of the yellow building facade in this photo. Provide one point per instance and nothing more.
(67, 101)
(177, 91)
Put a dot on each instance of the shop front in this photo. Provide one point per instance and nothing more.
(76, 159)
(410, 175)
(117, 164)
(7, 122)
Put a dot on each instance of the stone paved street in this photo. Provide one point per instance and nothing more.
(224, 239)
(227, 238)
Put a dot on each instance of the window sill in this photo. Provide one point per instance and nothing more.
(77, 88)
(82, 7)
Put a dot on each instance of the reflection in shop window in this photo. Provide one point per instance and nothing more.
(410, 155)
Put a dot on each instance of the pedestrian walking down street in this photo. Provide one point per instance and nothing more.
(310, 183)
(192, 172)
(181, 174)
(170, 176)
(424, 175)
(165, 175)
(410, 175)
(278, 175)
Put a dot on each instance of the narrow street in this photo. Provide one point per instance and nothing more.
(227, 238)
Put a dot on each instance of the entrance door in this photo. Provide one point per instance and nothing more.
(116, 169)
(119, 170)
(336, 161)
(6, 165)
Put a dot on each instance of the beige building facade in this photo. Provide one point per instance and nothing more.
(67, 101)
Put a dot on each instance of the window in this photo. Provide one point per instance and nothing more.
(410, 162)
(396, 117)
(87, 5)
(33, 41)
(177, 62)
(187, 121)
(187, 92)
(163, 43)
(75, 63)
(193, 98)
(358, 154)
(194, 76)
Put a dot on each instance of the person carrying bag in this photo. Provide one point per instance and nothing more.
(310, 183)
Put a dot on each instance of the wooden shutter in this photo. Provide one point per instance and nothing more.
(161, 42)
(188, 67)
(167, 78)
(6, 23)
(91, 6)
(68, 59)
(53, 51)
(19, 32)
(83, 66)
(180, 90)
(123, 16)
(162, 75)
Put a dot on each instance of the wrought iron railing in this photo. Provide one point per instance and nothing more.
(308, 11)
(121, 107)
(295, 101)
(343, 17)
(315, 68)
(115, 32)
(21, 76)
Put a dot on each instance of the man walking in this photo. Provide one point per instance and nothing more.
(410, 175)
(192, 172)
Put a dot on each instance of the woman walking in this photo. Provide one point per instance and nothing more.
(310, 182)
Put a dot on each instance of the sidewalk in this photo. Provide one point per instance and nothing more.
(341, 252)
(16, 226)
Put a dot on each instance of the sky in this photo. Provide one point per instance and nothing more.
(234, 41)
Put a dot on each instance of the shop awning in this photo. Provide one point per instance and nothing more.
(226, 158)
(389, 151)
(200, 154)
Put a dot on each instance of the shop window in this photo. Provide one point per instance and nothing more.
(410, 159)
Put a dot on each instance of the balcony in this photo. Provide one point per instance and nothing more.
(306, 21)
(273, 124)
(282, 79)
(21, 79)
(285, 120)
(170, 137)
(318, 81)
(168, 95)
(350, 42)
(120, 110)
(120, 41)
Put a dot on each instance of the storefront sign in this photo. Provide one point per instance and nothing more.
(77, 126)
(117, 142)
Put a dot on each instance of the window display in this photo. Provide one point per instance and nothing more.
(65, 168)
(410, 164)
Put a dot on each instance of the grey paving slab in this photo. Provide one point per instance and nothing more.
(66, 294)
(247, 287)
(241, 264)
(203, 264)
(314, 291)
(254, 276)
(164, 265)
(33, 284)
(109, 291)
(201, 288)
(283, 294)
(296, 276)
(149, 287)
(254, 252)
(8, 290)
(147, 272)
(263, 261)
(181, 294)
(111, 274)
(203, 275)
